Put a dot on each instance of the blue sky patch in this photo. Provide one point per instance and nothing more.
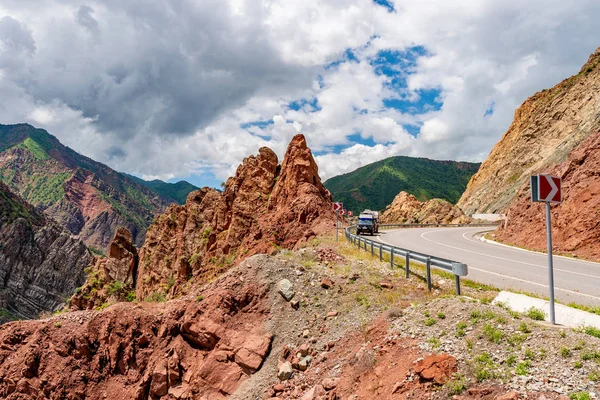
(385, 3)
(298, 104)
(490, 110)
(427, 101)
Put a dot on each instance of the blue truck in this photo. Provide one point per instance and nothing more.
(368, 222)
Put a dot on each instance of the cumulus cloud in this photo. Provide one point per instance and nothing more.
(171, 89)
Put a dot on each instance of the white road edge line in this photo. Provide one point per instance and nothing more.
(502, 258)
(515, 279)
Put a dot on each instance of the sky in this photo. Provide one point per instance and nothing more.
(185, 89)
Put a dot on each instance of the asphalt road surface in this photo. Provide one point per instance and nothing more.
(502, 266)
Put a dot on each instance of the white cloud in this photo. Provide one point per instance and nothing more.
(162, 90)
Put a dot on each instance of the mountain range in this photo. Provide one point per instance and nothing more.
(87, 197)
(374, 186)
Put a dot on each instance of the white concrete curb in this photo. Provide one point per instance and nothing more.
(566, 316)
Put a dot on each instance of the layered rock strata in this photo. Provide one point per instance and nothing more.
(41, 264)
(546, 128)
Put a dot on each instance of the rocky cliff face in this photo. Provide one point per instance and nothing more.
(406, 209)
(546, 128)
(192, 348)
(40, 263)
(576, 221)
(264, 206)
(88, 198)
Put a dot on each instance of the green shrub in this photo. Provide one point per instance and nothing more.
(580, 396)
(429, 322)
(594, 376)
(590, 330)
(511, 360)
(130, 296)
(516, 339)
(158, 297)
(536, 314)
(494, 335)
(199, 298)
(578, 364)
(457, 385)
(524, 328)
(441, 315)
(529, 354)
(523, 368)
(115, 287)
(565, 352)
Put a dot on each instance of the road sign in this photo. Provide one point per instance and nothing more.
(343, 212)
(338, 207)
(349, 213)
(546, 189)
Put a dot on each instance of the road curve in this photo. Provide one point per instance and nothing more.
(502, 266)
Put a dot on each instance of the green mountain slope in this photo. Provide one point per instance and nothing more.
(375, 185)
(88, 198)
(177, 192)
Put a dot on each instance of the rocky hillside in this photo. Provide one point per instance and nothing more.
(88, 198)
(375, 185)
(313, 324)
(40, 263)
(407, 209)
(576, 221)
(264, 207)
(546, 128)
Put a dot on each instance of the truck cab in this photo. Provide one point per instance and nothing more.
(367, 223)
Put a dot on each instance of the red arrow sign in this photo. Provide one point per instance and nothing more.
(549, 188)
(343, 212)
(338, 207)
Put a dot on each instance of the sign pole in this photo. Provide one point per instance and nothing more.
(336, 225)
(550, 263)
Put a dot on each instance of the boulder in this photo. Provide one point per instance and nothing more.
(437, 368)
(285, 371)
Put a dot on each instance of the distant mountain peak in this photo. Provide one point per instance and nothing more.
(374, 186)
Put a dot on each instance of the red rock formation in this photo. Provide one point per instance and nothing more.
(575, 222)
(264, 206)
(407, 209)
(184, 349)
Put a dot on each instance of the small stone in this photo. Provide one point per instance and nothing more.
(306, 333)
(285, 371)
(280, 387)
(326, 283)
(332, 314)
(295, 304)
(386, 284)
(329, 384)
(284, 288)
(304, 363)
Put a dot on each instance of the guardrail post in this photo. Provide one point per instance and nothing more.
(429, 273)
(380, 252)
(391, 257)
(365, 244)
(372, 252)
(407, 261)
(457, 280)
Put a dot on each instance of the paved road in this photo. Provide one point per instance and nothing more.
(503, 266)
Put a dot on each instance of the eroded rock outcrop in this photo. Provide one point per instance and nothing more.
(263, 207)
(406, 209)
(576, 221)
(546, 128)
(41, 264)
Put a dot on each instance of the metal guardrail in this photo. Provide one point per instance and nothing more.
(457, 268)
